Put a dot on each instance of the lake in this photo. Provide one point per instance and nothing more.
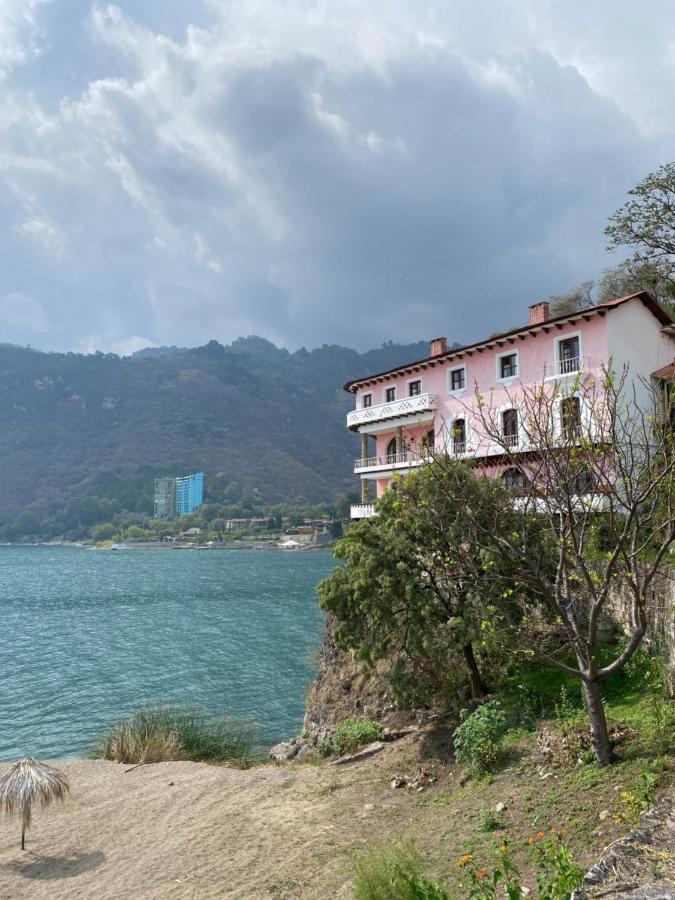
(87, 636)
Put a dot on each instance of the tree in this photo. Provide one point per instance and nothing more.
(646, 221)
(410, 586)
(631, 276)
(599, 475)
(572, 301)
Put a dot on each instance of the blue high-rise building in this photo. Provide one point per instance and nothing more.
(189, 493)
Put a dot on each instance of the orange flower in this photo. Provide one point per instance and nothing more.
(531, 841)
(481, 874)
(503, 848)
(540, 835)
(463, 860)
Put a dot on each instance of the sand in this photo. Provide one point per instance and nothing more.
(189, 830)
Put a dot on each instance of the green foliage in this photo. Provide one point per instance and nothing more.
(348, 735)
(478, 740)
(104, 532)
(160, 733)
(393, 872)
(559, 876)
(557, 879)
(417, 590)
(490, 820)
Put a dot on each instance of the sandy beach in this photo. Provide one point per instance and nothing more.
(189, 830)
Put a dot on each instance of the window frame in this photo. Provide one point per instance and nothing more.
(558, 341)
(386, 391)
(367, 405)
(457, 391)
(500, 356)
(408, 385)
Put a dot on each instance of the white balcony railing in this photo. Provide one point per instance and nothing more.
(570, 366)
(363, 511)
(392, 460)
(408, 406)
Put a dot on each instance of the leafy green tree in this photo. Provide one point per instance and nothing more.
(411, 584)
(103, 532)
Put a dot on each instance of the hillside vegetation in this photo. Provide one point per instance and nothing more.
(83, 437)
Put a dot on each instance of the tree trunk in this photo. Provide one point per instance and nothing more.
(600, 741)
(478, 690)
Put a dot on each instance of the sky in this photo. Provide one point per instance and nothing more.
(333, 171)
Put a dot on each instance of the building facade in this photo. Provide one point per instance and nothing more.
(432, 405)
(165, 498)
(189, 493)
(178, 496)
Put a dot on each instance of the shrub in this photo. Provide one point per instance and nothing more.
(393, 872)
(348, 735)
(161, 733)
(479, 738)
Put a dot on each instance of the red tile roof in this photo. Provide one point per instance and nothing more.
(601, 309)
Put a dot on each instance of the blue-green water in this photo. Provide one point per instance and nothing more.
(87, 636)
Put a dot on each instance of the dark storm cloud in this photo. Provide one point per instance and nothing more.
(268, 172)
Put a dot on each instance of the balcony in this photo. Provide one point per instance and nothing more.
(561, 368)
(363, 511)
(397, 409)
(404, 460)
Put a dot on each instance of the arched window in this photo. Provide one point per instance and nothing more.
(570, 417)
(459, 436)
(514, 478)
(428, 442)
(391, 450)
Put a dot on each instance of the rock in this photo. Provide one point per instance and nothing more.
(369, 807)
(604, 814)
(395, 734)
(398, 781)
(370, 750)
(284, 751)
(500, 807)
(303, 754)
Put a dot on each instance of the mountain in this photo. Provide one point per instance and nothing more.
(83, 437)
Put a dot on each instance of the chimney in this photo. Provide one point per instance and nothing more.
(438, 346)
(540, 312)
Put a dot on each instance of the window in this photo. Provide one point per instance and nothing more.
(508, 365)
(457, 379)
(390, 394)
(570, 417)
(367, 400)
(514, 478)
(510, 427)
(414, 388)
(391, 451)
(459, 436)
(429, 440)
(569, 355)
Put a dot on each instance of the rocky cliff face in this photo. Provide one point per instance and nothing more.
(342, 689)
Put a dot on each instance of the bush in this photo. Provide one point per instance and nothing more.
(478, 739)
(348, 735)
(161, 733)
(393, 872)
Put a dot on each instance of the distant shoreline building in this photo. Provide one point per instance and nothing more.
(178, 496)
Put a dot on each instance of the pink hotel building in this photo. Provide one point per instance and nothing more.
(403, 411)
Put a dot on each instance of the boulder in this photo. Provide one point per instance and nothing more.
(284, 751)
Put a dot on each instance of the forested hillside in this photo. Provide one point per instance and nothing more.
(83, 437)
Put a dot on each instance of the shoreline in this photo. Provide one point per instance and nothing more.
(151, 545)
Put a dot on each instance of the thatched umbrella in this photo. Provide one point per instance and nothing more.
(26, 782)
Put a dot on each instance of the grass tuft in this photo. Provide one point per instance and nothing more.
(163, 733)
(393, 872)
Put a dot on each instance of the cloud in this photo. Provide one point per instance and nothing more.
(319, 171)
